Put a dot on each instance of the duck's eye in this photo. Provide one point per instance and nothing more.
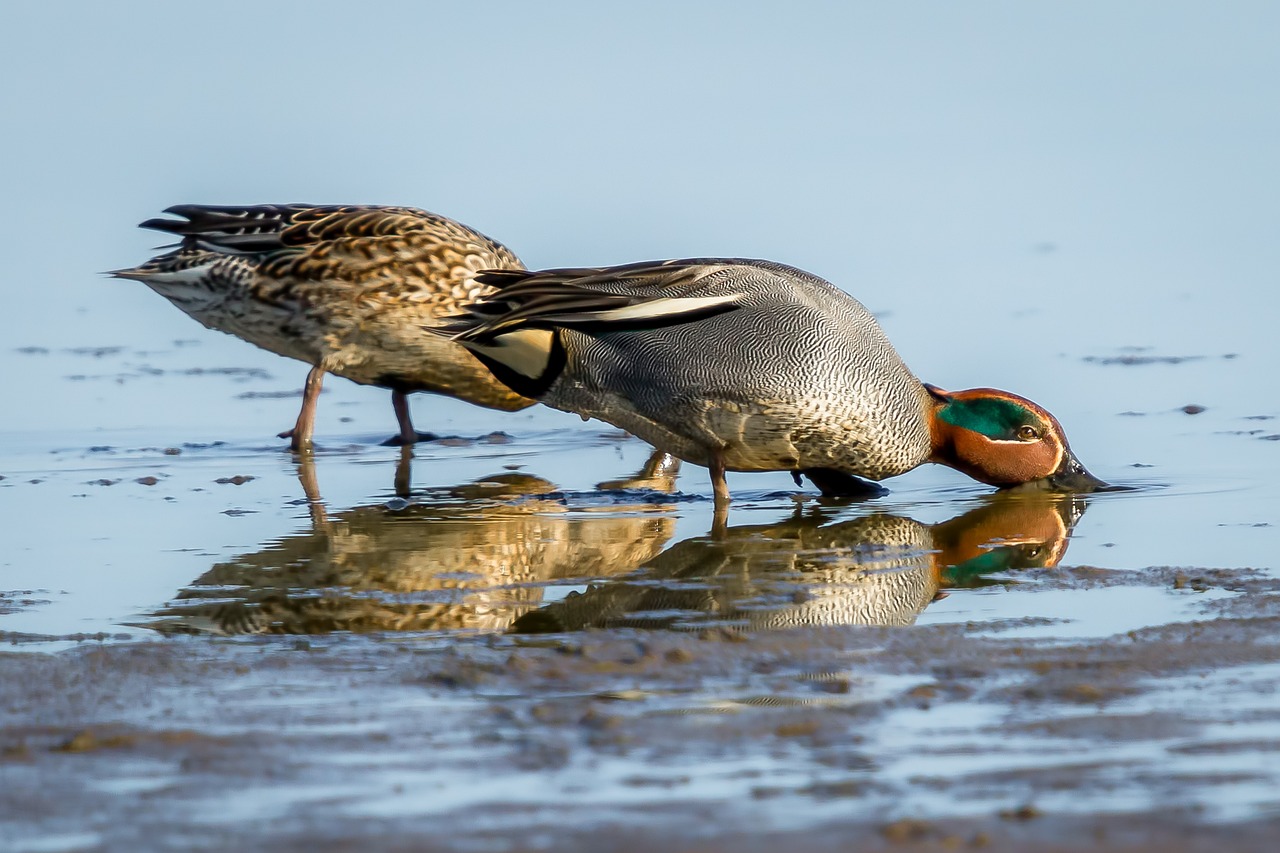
(1028, 433)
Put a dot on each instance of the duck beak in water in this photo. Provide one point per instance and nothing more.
(1072, 476)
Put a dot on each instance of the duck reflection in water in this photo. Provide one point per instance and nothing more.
(473, 557)
(876, 569)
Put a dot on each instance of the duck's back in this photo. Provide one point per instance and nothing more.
(347, 288)
(799, 376)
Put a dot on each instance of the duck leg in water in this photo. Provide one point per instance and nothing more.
(300, 436)
(408, 435)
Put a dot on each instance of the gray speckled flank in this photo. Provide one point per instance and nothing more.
(801, 376)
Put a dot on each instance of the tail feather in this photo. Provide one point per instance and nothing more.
(130, 273)
(239, 230)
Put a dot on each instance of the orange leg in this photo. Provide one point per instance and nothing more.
(300, 436)
(719, 486)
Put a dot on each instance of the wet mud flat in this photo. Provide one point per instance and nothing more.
(933, 737)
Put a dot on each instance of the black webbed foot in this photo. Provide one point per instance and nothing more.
(837, 484)
(399, 440)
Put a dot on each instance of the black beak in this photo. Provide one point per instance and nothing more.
(1071, 476)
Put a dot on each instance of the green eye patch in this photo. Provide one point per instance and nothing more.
(994, 418)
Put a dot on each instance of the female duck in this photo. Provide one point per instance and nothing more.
(344, 289)
(746, 365)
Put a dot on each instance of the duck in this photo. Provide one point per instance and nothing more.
(751, 365)
(343, 288)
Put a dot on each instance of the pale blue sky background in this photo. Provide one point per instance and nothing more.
(1014, 186)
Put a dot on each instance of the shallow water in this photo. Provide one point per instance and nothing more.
(1077, 206)
(508, 522)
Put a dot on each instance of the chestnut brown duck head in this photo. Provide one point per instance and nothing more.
(1004, 440)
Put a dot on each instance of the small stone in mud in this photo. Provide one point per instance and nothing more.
(172, 451)
(798, 729)
(16, 752)
(100, 448)
(923, 692)
(496, 438)
(146, 481)
(1084, 693)
(237, 480)
(599, 721)
(103, 482)
(1181, 581)
(722, 634)
(1025, 811)
(1192, 409)
(678, 656)
(87, 741)
(835, 685)
(906, 830)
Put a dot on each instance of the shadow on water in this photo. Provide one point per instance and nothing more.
(480, 556)
(877, 569)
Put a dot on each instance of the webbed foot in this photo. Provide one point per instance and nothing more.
(401, 441)
(837, 484)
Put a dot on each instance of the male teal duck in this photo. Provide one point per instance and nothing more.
(749, 365)
(344, 289)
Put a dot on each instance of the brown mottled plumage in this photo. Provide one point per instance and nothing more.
(345, 289)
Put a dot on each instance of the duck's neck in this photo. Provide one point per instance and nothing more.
(942, 437)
